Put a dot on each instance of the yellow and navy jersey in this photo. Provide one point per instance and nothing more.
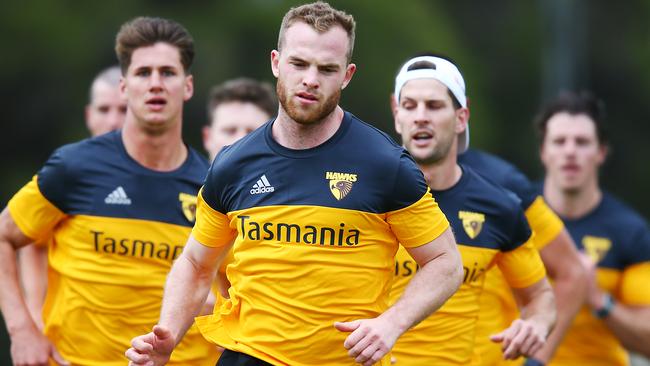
(116, 228)
(618, 240)
(316, 232)
(491, 230)
(499, 308)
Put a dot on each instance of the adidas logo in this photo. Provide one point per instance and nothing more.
(117, 197)
(262, 186)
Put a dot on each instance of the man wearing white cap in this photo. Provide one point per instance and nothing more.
(430, 110)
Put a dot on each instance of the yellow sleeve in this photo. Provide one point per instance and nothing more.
(211, 228)
(34, 215)
(521, 267)
(419, 223)
(544, 222)
(634, 289)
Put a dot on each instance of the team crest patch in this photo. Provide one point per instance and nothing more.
(188, 203)
(596, 247)
(340, 183)
(472, 222)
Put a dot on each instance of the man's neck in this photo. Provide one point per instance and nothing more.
(298, 136)
(572, 204)
(163, 153)
(443, 174)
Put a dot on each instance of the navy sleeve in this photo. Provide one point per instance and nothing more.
(520, 232)
(409, 185)
(214, 185)
(53, 178)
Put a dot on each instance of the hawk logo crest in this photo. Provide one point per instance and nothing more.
(188, 203)
(596, 247)
(340, 183)
(472, 222)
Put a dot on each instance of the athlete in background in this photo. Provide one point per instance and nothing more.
(614, 238)
(431, 114)
(119, 208)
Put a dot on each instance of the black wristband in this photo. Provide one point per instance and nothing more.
(533, 362)
(608, 305)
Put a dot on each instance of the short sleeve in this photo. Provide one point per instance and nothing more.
(409, 185)
(544, 222)
(633, 286)
(211, 227)
(34, 215)
(419, 223)
(521, 267)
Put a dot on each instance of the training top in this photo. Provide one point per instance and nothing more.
(491, 230)
(498, 306)
(618, 240)
(316, 232)
(116, 227)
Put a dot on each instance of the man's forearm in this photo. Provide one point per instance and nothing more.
(541, 309)
(570, 291)
(186, 289)
(631, 326)
(12, 303)
(428, 290)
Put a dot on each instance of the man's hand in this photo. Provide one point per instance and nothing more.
(152, 349)
(30, 347)
(522, 338)
(370, 340)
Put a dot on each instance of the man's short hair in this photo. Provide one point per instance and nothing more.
(243, 90)
(145, 32)
(110, 75)
(322, 17)
(574, 103)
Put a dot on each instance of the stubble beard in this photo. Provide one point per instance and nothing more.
(302, 116)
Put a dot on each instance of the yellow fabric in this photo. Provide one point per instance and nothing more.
(93, 259)
(589, 339)
(545, 223)
(447, 337)
(498, 306)
(301, 266)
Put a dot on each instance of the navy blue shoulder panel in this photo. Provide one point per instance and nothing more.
(500, 172)
(484, 214)
(97, 177)
(358, 168)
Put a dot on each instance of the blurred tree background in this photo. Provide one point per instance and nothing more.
(514, 55)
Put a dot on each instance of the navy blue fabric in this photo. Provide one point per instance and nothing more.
(505, 227)
(387, 178)
(613, 220)
(500, 172)
(78, 177)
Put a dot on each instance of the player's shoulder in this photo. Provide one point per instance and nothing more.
(490, 193)
(622, 215)
(369, 138)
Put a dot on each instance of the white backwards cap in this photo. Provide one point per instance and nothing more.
(446, 73)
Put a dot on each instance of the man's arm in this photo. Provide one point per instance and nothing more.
(187, 287)
(439, 277)
(527, 335)
(28, 345)
(630, 324)
(569, 275)
(32, 264)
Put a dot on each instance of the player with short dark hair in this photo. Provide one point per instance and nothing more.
(119, 208)
(613, 237)
(236, 108)
(431, 115)
(316, 202)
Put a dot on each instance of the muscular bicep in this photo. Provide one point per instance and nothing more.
(444, 244)
(10, 232)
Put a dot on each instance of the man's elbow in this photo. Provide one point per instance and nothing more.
(456, 270)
